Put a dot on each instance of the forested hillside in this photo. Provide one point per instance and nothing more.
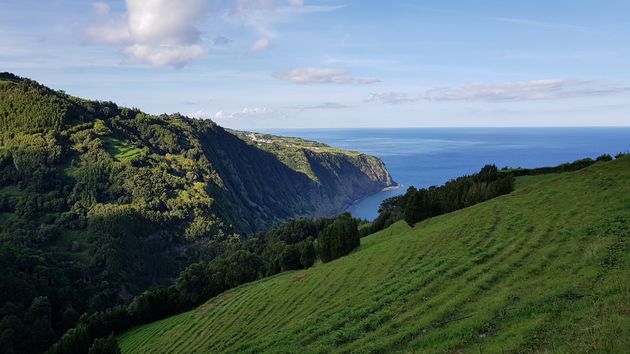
(542, 269)
(99, 202)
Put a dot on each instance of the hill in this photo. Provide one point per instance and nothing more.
(100, 202)
(544, 268)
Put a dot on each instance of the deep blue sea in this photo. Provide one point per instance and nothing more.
(423, 157)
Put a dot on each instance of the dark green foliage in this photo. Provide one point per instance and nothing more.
(38, 293)
(414, 205)
(75, 341)
(419, 204)
(290, 258)
(295, 231)
(456, 194)
(203, 280)
(565, 167)
(308, 254)
(338, 239)
(604, 157)
(106, 345)
(39, 316)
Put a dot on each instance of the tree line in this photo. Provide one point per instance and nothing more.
(419, 204)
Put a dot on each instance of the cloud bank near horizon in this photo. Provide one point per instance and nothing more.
(549, 89)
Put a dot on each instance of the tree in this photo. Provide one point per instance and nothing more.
(290, 258)
(107, 345)
(413, 208)
(307, 253)
(604, 157)
(75, 341)
(339, 238)
(41, 332)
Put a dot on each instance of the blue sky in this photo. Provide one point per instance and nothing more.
(333, 63)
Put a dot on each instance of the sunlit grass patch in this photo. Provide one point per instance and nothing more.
(120, 150)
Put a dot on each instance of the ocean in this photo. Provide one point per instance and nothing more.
(423, 157)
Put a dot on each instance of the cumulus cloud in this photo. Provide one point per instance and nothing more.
(158, 32)
(247, 112)
(515, 91)
(165, 55)
(306, 76)
(152, 31)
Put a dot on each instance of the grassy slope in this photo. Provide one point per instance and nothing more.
(544, 268)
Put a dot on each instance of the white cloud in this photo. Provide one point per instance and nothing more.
(520, 91)
(157, 32)
(307, 76)
(515, 91)
(152, 31)
(261, 44)
(390, 98)
(164, 55)
(247, 112)
(367, 80)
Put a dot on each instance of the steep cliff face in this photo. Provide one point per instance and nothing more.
(336, 177)
(263, 185)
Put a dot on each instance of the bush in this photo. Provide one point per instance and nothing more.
(290, 258)
(105, 346)
(604, 157)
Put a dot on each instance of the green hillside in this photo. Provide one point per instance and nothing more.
(99, 203)
(544, 269)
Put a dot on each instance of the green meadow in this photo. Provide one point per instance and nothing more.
(543, 269)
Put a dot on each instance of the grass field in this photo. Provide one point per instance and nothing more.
(544, 269)
(120, 150)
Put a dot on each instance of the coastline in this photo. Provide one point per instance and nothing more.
(356, 201)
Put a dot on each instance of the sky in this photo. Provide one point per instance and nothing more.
(263, 64)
